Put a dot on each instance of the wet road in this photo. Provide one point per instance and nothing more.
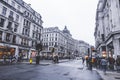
(72, 70)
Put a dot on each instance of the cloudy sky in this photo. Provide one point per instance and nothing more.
(77, 15)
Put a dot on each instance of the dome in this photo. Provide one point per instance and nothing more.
(66, 30)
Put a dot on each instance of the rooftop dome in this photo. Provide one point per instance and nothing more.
(66, 30)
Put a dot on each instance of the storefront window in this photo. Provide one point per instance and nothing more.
(8, 51)
(1, 35)
(23, 53)
(33, 54)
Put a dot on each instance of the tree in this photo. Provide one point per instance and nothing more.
(39, 46)
(53, 50)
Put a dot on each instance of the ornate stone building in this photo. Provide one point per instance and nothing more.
(107, 30)
(61, 41)
(20, 28)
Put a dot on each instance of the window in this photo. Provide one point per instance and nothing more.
(18, 7)
(9, 25)
(33, 43)
(52, 44)
(11, 13)
(8, 37)
(55, 39)
(4, 10)
(55, 44)
(24, 22)
(26, 31)
(13, 3)
(27, 23)
(2, 22)
(40, 30)
(23, 31)
(34, 27)
(15, 27)
(24, 41)
(17, 17)
(28, 14)
(14, 38)
(33, 35)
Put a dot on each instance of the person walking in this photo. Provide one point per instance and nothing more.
(90, 63)
(83, 59)
(4, 58)
(104, 64)
(117, 63)
(37, 59)
(111, 61)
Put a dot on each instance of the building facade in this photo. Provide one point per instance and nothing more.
(61, 41)
(20, 28)
(83, 48)
(107, 30)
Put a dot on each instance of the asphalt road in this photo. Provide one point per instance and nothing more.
(71, 70)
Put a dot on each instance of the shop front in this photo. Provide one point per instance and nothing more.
(33, 54)
(24, 53)
(6, 50)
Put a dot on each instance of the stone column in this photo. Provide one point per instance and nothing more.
(107, 51)
(116, 47)
(3, 36)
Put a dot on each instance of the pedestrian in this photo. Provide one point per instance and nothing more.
(117, 63)
(86, 61)
(37, 59)
(10, 58)
(4, 58)
(111, 61)
(90, 63)
(56, 58)
(104, 64)
(83, 59)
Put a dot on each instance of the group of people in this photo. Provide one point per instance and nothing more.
(9, 59)
(103, 63)
(37, 58)
(55, 59)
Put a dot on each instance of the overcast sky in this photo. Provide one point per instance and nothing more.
(77, 15)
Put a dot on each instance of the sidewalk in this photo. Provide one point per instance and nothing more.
(42, 62)
(110, 75)
(47, 62)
